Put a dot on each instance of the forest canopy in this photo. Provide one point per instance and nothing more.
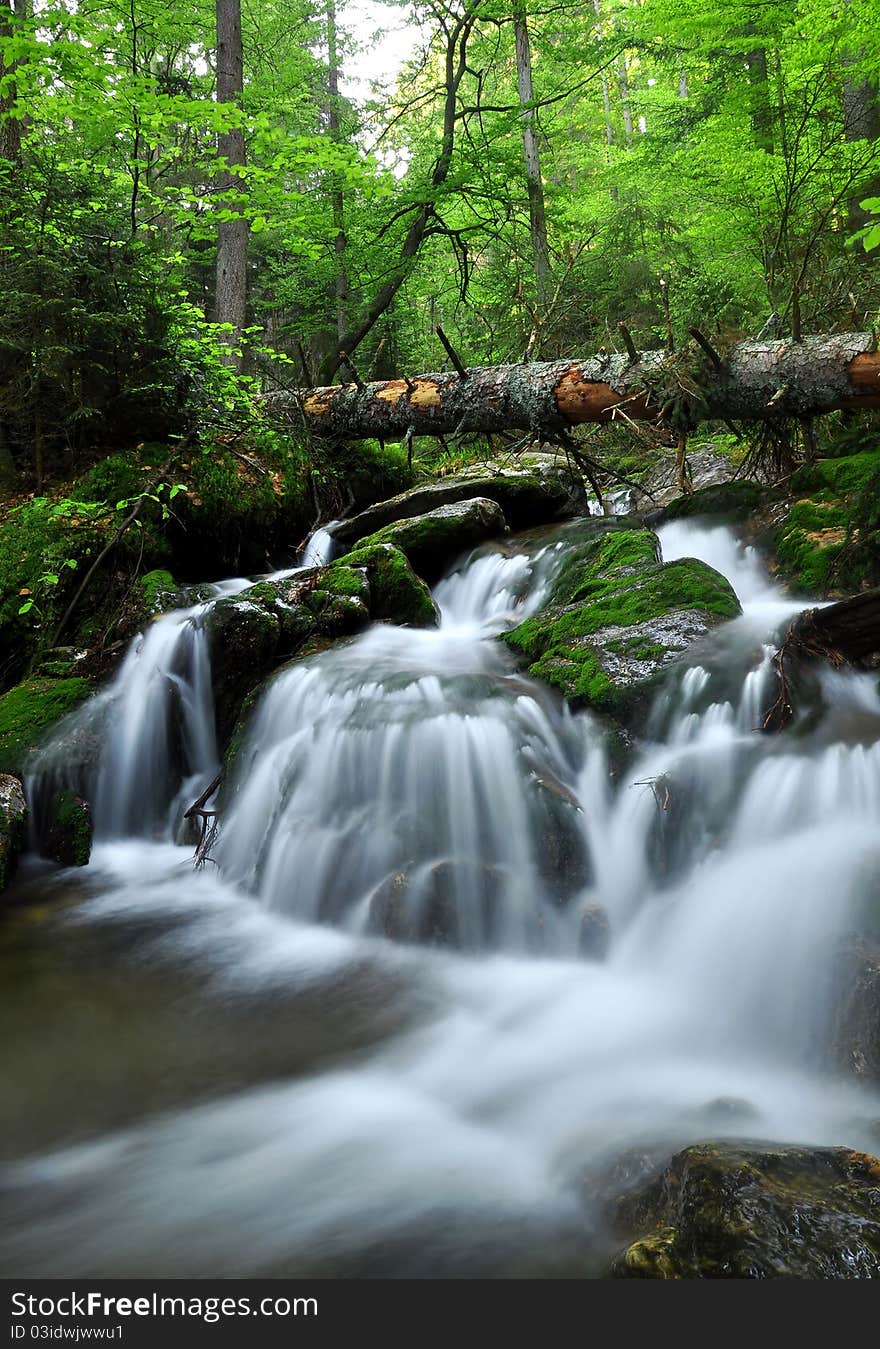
(193, 210)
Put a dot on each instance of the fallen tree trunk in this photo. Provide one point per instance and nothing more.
(847, 633)
(753, 381)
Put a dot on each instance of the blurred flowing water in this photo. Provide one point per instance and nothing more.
(377, 1035)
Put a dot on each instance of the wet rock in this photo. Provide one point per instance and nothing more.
(617, 618)
(855, 1027)
(659, 487)
(594, 931)
(272, 622)
(561, 851)
(244, 637)
(433, 541)
(397, 595)
(538, 489)
(451, 904)
(65, 832)
(755, 1211)
(727, 502)
(13, 826)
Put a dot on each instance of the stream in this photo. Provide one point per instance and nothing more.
(235, 1072)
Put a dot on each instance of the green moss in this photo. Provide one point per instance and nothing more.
(827, 543)
(851, 473)
(397, 595)
(726, 501)
(610, 583)
(599, 565)
(344, 579)
(159, 591)
(28, 711)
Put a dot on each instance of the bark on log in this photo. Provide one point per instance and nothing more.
(757, 380)
(850, 629)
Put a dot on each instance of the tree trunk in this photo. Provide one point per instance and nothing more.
(850, 629)
(534, 183)
(340, 241)
(232, 235)
(10, 125)
(455, 66)
(757, 380)
(606, 92)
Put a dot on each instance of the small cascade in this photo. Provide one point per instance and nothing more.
(408, 783)
(632, 961)
(149, 737)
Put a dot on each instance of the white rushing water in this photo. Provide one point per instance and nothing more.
(412, 784)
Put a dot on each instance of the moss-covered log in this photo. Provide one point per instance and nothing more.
(753, 380)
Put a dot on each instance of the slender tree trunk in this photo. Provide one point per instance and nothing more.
(232, 234)
(626, 105)
(606, 92)
(861, 121)
(534, 183)
(455, 67)
(340, 241)
(10, 126)
(756, 381)
(760, 104)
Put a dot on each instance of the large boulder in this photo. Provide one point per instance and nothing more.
(724, 1210)
(538, 489)
(434, 540)
(617, 617)
(13, 826)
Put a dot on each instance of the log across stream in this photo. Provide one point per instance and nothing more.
(297, 1093)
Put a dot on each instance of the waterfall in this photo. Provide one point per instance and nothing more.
(393, 1107)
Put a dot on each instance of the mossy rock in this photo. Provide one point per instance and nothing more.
(243, 636)
(397, 595)
(828, 543)
(13, 826)
(538, 489)
(433, 541)
(159, 591)
(65, 834)
(727, 502)
(30, 710)
(616, 618)
(755, 1211)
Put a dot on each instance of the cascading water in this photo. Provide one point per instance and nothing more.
(432, 1112)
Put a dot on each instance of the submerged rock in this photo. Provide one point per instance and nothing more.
(65, 834)
(855, 1029)
(452, 904)
(433, 540)
(755, 1211)
(617, 617)
(538, 489)
(13, 826)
